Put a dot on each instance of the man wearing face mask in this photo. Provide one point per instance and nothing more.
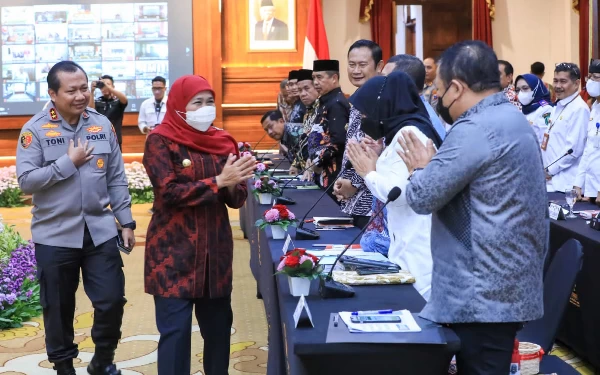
(485, 188)
(587, 181)
(111, 104)
(327, 137)
(567, 129)
(365, 60)
(535, 98)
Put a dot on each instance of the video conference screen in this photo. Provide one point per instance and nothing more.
(126, 40)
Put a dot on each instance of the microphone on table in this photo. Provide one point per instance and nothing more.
(309, 234)
(286, 156)
(569, 152)
(288, 200)
(257, 143)
(329, 288)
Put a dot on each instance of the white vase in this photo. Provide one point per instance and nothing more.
(299, 286)
(278, 232)
(265, 198)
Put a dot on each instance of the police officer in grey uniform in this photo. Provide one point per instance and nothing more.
(68, 158)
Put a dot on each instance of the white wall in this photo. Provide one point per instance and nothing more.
(525, 31)
(343, 29)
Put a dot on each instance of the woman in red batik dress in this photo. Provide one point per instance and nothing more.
(196, 173)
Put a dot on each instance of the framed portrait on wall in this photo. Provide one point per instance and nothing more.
(272, 25)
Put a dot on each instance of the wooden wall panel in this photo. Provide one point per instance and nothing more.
(244, 124)
(444, 24)
(253, 84)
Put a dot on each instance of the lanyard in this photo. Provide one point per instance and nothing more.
(157, 109)
(558, 117)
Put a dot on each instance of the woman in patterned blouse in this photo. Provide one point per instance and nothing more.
(196, 173)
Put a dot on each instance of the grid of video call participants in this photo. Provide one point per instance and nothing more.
(127, 41)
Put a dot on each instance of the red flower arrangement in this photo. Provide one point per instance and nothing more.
(299, 263)
(280, 215)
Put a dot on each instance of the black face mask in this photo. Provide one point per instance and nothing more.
(372, 128)
(444, 112)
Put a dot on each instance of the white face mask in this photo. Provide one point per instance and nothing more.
(200, 119)
(593, 88)
(525, 97)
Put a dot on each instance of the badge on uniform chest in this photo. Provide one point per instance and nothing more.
(545, 140)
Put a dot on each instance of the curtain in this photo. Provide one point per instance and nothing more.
(380, 15)
(583, 7)
(483, 14)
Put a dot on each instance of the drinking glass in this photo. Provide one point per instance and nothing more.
(571, 197)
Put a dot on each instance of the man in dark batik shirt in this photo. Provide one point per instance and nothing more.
(298, 109)
(309, 97)
(327, 137)
(286, 133)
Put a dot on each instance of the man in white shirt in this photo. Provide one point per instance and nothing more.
(566, 129)
(152, 111)
(587, 182)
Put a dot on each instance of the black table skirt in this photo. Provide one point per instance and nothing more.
(580, 328)
(303, 350)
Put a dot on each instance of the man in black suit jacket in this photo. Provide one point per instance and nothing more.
(270, 28)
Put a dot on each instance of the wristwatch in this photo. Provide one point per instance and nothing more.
(413, 172)
(131, 225)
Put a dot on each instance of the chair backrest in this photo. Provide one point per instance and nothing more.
(558, 285)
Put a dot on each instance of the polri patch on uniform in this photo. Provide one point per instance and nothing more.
(94, 129)
(49, 126)
(26, 139)
(53, 114)
(52, 133)
(100, 163)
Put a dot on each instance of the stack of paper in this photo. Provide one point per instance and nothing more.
(408, 323)
(333, 222)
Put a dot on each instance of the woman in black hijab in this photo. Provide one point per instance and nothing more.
(388, 105)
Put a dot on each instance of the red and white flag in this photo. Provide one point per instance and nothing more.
(315, 42)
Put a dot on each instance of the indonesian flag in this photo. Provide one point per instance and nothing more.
(315, 42)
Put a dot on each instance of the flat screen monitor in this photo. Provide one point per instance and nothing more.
(126, 40)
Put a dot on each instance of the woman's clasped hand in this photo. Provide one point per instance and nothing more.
(236, 171)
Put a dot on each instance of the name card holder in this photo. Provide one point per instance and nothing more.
(302, 315)
(556, 212)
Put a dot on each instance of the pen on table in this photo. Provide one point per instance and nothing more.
(373, 312)
(335, 320)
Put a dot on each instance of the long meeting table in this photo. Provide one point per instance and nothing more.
(580, 329)
(304, 350)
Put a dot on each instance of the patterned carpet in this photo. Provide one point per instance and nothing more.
(22, 351)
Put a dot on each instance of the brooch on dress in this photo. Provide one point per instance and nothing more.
(186, 163)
